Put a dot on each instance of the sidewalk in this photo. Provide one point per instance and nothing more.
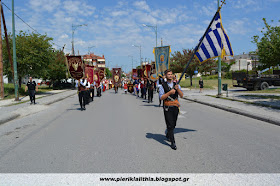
(264, 109)
(10, 109)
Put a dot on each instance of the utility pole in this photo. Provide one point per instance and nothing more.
(1, 58)
(14, 53)
(219, 69)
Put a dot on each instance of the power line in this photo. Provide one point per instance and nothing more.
(29, 25)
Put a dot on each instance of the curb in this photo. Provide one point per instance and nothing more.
(240, 112)
(8, 118)
(11, 117)
(58, 99)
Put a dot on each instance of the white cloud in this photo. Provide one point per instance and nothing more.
(44, 5)
(64, 36)
(142, 5)
(119, 13)
(78, 8)
(240, 26)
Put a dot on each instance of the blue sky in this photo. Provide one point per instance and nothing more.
(115, 25)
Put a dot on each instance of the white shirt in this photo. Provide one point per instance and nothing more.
(84, 84)
(88, 85)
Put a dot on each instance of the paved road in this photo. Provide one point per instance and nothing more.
(121, 134)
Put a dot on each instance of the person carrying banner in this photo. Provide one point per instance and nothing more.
(98, 89)
(32, 87)
(159, 84)
(116, 88)
(150, 87)
(169, 92)
(92, 85)
(87, 91)
(81, 85)
(125, 87)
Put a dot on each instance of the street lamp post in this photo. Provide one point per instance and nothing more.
(90, 48)
(132, 60)
(74, 27)
(155, 29)
(139, 46)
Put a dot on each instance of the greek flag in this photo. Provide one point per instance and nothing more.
(215, 43)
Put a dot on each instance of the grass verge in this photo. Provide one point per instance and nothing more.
(9, 90)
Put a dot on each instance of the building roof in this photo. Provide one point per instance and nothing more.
(93, 56)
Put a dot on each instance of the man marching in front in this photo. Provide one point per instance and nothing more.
(81, 85)
(169, 92)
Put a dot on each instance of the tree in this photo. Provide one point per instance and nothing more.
(179, 61)
(268, 45)
(34, 54)
(57, 68)
(226, 67)
(108, 73)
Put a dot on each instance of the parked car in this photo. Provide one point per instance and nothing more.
(62, 85)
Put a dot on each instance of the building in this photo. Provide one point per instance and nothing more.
(243, 62)
(94, 60)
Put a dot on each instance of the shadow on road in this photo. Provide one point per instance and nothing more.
(74, 109)
(150, 105)
(162, 139)
(180, 130)
(158, 137)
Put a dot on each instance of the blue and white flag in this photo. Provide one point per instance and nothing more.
(215, 43)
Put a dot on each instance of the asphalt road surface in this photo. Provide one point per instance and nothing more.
(119, 133)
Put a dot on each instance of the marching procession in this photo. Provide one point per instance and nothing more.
(139, 85)
(146, 78)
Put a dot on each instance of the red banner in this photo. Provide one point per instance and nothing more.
(101, 73)
(148, 70)
(96, 76)
(75, 66)
(134, 74)
(140, 73)
(117, 75)
(89, 73)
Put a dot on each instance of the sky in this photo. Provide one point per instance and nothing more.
(113, 26)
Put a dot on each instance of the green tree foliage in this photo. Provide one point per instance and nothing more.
(179, 61)
(108, 73)
(225, 66)
(34, 54)
(268, 45)
(57, 69)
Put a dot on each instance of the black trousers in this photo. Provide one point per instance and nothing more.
(32, 95)
(171, 115)
(150, 94)
(92, 94)
(82, 99)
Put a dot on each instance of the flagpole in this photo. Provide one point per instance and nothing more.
(197, 46)
(219, 69)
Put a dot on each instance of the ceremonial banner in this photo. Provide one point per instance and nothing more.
(89, 73)
(162, 57)
(75, 66)
(154, 77)
(96, 76)
(116, 75)
(130, 87)
(153, 68)
(134, 74)
(101, 73)
(147, 72)
(140, 73)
